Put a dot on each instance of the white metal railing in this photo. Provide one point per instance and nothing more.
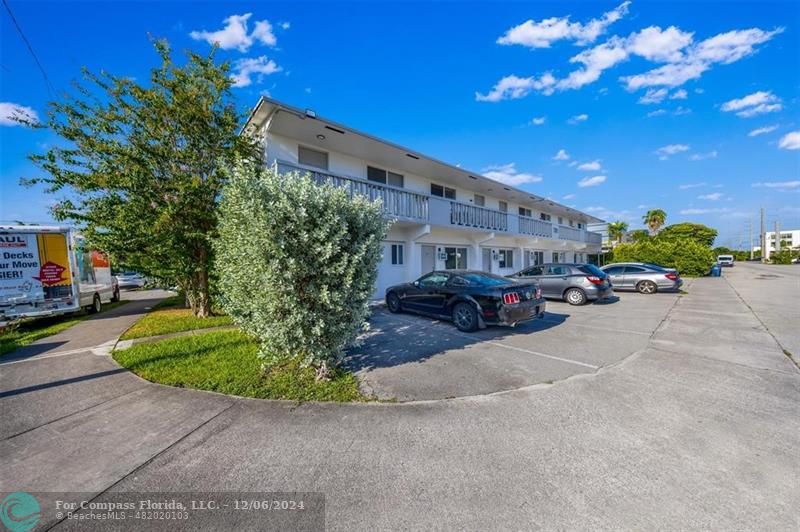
(566, 232)
(395, 201)
(532, 226)
(594, 238)
(480, 217)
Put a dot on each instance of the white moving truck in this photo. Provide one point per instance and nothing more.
(45, 271)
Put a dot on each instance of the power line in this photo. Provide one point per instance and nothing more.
(30, 49)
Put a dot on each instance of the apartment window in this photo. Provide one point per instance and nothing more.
(309, 157)
(571, 223)
(384, 176)
(479, 200)
(555, 258)
(397, 254)
(506, 258)
(560, 220)
(544, 217)
(525, 212)
(503, 206)
(443, 192)
(580, 225)
(456, 258)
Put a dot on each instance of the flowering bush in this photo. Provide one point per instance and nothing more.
(297, 263)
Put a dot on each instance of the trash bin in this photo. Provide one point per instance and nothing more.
(716, 270)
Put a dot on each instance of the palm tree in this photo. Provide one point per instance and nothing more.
(654, 220)
(616, 230)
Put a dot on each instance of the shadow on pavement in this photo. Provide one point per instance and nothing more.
(403, 338)
(44, 386)
(30, 350)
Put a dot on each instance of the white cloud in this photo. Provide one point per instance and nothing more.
(681, 111)
(595, 61)
(705, 211)
(671, 149)
(569, 197)
(539, 120)
(562, 155)
(592, 181)
(8, 111)
(653, 96)
(657, 112)
(700, 156)
(723, 48)
(714, 196)
(762, 130)
(513, 87)
(245, 69)
(754, 104)
(781, 185)
(661, 46)
(692, 185)
(592, 166)
(235, 34)
(679, 94)
(790, 141)
(541, 34)
(508, 174)
(578, 118)
(285, 25)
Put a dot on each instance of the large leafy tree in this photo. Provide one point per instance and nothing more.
(638, 235)
(616, 230)
(698, 232)
(654, 219)
(142, 166)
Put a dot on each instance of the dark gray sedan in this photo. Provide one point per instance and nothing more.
(643, 277)
(574, 283)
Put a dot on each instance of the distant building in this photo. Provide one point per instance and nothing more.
(788, 240)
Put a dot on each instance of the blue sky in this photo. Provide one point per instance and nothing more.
(610, 107)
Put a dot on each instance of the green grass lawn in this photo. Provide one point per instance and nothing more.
(29, 331)
(226, 362)
(169, 316)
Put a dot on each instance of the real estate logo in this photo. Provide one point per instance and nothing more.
(19, 511)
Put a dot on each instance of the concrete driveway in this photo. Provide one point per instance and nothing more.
(408, 357)
(700, 429)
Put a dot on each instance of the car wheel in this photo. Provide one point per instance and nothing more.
(575, 296)
(97, 305)
(393, 303)
(465, 317)
(646, 287)
(115, 295)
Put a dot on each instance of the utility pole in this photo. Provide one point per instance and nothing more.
(750, 228)
(777, 236)
(764, 249)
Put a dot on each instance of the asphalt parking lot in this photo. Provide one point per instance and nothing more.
(407, 357)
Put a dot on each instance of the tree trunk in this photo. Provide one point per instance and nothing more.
(198, 295)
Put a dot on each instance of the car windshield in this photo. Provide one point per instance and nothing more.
(725, 257)
(128, 274)
(483, 279)
(591, 269)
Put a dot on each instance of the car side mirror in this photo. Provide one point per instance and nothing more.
(416, 284)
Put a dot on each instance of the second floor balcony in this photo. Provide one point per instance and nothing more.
(403, 204)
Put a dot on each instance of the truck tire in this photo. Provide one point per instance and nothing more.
(96, 305)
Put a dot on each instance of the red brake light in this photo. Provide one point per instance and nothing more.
(594, 279)
(538, 293)
(671, 276)
(511, 298)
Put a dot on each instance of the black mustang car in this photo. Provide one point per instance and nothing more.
(472, 299)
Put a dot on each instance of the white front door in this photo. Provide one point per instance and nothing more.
(487, 259)
(428, 259)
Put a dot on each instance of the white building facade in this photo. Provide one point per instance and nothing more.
(789, 239)
(444, 217)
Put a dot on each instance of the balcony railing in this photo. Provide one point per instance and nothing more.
(479, 217)
(566, 232)
(405, 204)
(532, 226)
(396, 202)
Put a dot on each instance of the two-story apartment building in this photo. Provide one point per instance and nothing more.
(445, 217)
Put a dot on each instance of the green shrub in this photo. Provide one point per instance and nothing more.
(297, 263)
(783, 256)
(687, 255)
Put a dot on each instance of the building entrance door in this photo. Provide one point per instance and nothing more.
(487, 259)
(428, 259)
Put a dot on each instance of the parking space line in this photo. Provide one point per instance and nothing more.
(441, 326)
